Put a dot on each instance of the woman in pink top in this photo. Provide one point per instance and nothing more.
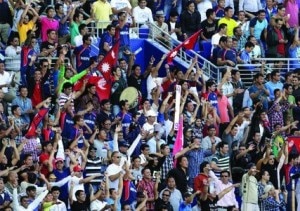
(291, 11)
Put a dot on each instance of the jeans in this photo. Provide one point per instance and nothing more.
(168, 7)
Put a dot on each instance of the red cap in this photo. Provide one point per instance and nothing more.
(77, 168)
(59, 159)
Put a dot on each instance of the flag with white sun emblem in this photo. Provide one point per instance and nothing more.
(188, 44)
(109, 61)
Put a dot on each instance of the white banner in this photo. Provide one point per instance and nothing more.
(177, 106)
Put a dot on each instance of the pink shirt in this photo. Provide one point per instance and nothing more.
(229, 198)
(46, 24)
(291, 8)
(223, 103)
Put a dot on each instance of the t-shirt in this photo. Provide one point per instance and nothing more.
(231, 24)
(113, 169)
(46, 24)
(258, 26)
(209, 29)
(82, 57)
(76, 206)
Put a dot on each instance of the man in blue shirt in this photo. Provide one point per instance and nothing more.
(24, 103)
(82, 53)
(107, 40)
(274, 83)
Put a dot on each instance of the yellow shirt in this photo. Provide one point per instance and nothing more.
(23, 29)
(102, 11)
(231, 24)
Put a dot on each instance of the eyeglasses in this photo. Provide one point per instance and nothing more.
(45, 65)
(166, 195)
(224, 176)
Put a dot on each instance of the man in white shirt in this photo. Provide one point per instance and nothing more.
(58, 205)
(114, 170)
(6, 80)
(250, 6)
(228, 201)
(216, 37)
(142, 13)
(24, 201)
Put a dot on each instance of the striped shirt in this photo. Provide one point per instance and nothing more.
(222, 162)
(94, 166)
(63, 98)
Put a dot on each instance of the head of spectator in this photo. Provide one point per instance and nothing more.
(234, 44)
(228, 43)
(160, 17)
(224, 175)
(275, 76)
(270, 4)
(228, 12)
(189, 106)
(252, 39)
(23, 91)
(80, 196)
(124, 105)
(211, 86)
(205, 167)
(184, 85)
(122, 16)
(210, 14)
(178, 74)
(278, 23)
(136, 162)
(235, 75)
(122, 64)
(59, 9)
(190, 6)
(44, 65)
(241, 16)
(259, 79)
(55, 190)
(151, 116)
(83, 29)
(165, 149)
(47, 147)
(211, 131)
(142, 4)
(105, 105)
(281, 10)
(182, 162)
(123, 147)
(106, 125)
(24, 201)
(293, 159)
(249, 47)
(102, 135)
(16, 111)
(136, 70)
(111, 30)
(256, 137)
(14, 41)
(252, 169)
(145, 149)
(289, 76)
(116, 157)
(222, 29)
(50, 12)
(166, 195)
(117, 73)
(146, 172)
(52, 178)
(261, 15)
(31, 191)
(67, 88)
(288, 89)
(92, 153)
(171, 183)
(269, 190)
(12, 178)
(188, 197)
(295, 132)
(265, 176)
(78, 17)
(78, 121)
(87, 39)
(221, 3)
(173, 16)
(52, 35)
(30, 41)
(187, 134)
(223, 148)
(237, 31)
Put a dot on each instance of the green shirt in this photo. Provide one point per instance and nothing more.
(62, 80)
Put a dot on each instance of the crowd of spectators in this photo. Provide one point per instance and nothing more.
(66, 148)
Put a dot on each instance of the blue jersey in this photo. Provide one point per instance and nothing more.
(67, 123)
(126, 119)
(123, 34)
(106, 37)
(82, 57)
(90, 120)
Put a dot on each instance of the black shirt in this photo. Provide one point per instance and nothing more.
(77, 206)
(135, 82)
(209, 29)
(159, 204)
(181, 179)
(190, 22)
